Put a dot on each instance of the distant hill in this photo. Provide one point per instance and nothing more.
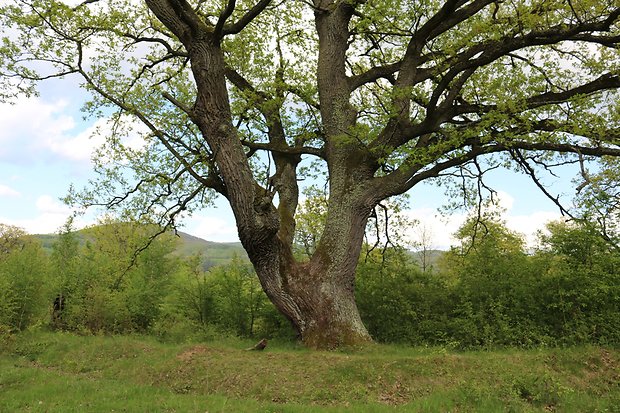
(47, 240)
(432, 257)
(213, 253)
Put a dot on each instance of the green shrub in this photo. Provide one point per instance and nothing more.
(23, 276)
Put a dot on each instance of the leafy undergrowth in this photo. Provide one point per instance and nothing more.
(52, 372)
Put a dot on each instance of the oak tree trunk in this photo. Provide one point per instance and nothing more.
(318, 296)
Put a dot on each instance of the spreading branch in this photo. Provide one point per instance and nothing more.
(226, 13)
(247, 18)
(531, 172)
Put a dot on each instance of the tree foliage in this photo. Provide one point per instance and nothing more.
(566, 293)
(105, 286)
(487, 295)
(11, 238)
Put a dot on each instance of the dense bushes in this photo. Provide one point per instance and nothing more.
(106, 288)
(225, 300)
(398, 302)
(488, 292)
(485, 292)
(100, 285)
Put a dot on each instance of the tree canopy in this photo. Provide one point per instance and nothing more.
(242, 98)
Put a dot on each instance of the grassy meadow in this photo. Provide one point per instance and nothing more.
(62, 372)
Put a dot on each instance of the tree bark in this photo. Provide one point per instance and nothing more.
(318, 296)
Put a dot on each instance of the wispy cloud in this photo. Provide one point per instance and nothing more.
(27, 124)
(8, 192)
(437, 229)
(49, 217)
(35, 130)
(78, 148)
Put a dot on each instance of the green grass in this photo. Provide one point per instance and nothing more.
(57, 372)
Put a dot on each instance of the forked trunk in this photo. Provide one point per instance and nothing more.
(318, 296)
(319, 303)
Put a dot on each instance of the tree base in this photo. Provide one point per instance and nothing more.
(336, 335)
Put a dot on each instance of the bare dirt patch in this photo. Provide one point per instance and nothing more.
(193, 352)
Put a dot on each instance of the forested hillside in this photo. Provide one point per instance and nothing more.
(219, 253)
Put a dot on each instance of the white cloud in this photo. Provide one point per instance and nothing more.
(505, 200)
(80, 147)
(8, 192)
(48, 205)
(220, 228)
(438, 228)
(35, 130)
(530, 224)
(50, 217)
(29, 122)
(52, 214)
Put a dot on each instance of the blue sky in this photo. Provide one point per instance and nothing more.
(45, 146)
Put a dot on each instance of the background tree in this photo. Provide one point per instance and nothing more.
(310, 220)
(11, 238)
(234, 96)
(65, 270)
(494, 285)
(398, 302)
(109, 287)
(238, 297)
(423, 244)
(599, 201)
(580, 283)
(23, 279)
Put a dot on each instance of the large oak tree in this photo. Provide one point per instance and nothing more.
(236, 98)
